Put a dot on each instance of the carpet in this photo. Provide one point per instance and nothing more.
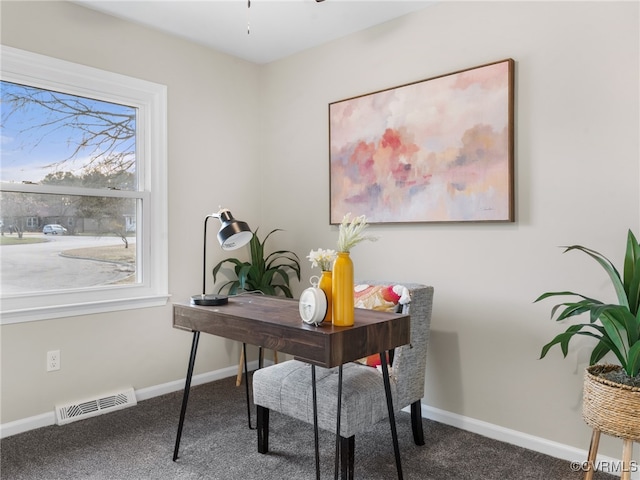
(137, 443)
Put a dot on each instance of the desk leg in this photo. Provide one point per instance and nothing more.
(187, 387)
(246, 384)
(392, 418)
(339, 412)
(315, 419)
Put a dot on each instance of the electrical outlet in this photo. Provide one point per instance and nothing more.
(53, 360)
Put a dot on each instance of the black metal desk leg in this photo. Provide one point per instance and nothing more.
(392, 418)
(187, 387)
(337, 460)
(315, 420)
(246, 384)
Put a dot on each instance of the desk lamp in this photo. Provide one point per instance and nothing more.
(232, 235)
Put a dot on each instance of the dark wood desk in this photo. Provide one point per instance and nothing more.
(274, 323)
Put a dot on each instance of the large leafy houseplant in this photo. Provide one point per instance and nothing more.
(615, 326)
(269, 274)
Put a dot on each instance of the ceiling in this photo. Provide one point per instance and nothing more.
(276, 28)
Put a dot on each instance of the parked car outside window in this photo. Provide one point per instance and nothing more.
(54, 229)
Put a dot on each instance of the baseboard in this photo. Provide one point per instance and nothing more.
(26, 424)
(520, 439)
(157, 390)
(49, 418)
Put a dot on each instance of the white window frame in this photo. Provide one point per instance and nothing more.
(150, 99)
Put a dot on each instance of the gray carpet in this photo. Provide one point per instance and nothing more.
(137, 443)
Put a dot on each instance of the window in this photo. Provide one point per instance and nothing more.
(83, 199)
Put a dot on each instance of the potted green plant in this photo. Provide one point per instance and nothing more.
(618, 330)
(269, 274)
(611, 398)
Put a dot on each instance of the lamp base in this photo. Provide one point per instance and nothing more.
(209, 300)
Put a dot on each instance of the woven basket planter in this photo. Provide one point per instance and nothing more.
(610, 407)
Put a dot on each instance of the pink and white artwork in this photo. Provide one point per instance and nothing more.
(438, 150)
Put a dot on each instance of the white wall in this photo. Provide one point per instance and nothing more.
(577, 174)
(576, 182)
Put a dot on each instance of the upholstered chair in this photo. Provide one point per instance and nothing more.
(286, 387)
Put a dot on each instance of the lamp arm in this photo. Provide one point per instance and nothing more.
(204, 252)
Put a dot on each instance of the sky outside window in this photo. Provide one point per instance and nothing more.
(44, 132)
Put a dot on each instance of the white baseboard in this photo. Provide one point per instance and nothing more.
(520, 439)
(46, 419)
(496, 432)
(26, 424)
(157, 390)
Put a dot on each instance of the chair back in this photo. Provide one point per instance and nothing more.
(410, 361)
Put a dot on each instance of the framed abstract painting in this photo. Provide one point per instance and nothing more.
(437, 150)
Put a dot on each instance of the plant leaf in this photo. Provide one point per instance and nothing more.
(633, 366)
(633, 285)
(573, 309)
(611, 270)
(616, 333)
(626, 322)
(564, 338)
(553, 294)
(286, 290)
(632, 271)
(216, 269)
(243, 275)
(600, 350)
(232, 285)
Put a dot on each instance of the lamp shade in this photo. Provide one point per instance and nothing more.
(232, 235)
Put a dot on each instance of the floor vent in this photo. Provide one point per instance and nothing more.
(97, 406)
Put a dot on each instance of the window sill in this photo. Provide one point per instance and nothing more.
(59, 311)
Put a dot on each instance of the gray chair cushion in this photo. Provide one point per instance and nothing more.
(286, 388)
